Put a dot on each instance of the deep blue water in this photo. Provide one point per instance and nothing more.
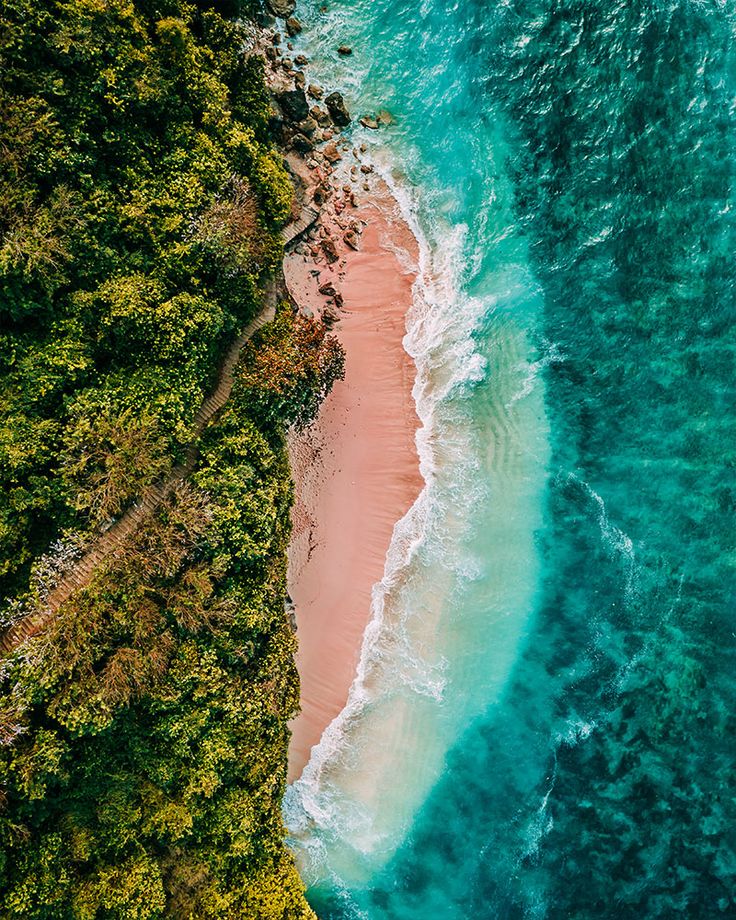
(587, 149)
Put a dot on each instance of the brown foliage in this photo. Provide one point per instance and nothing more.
(293, 368)
(230, 225)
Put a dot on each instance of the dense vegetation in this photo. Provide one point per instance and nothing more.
(143, 736)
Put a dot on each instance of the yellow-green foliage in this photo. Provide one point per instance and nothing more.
(126, 126)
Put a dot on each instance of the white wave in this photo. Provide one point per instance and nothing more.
(424, 668)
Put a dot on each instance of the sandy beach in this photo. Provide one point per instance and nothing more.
(356, 469)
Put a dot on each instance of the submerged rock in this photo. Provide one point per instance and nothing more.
(281, 8)
(345, 50)
(337, 109)
(369, 123)
(293, 26)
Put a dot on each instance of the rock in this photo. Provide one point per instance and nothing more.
(365, 169)
(316, 92)
(330, 251)
(351, 238)
(276, 38)
(293, 26)
(332, 153)
(281, 8)
(328, 289)
(293, 104)
(344, 50)
(337, 109)
(327, 135)
(385, 117)
(338, 300)
(301, 60)
(330, 316)
(308, 126)
(287, 63)
(321, 194)
(363, 148)
(354, 200)
(301, 143)
(272, 53)
(299, 79)
(290, 46)
(369, 123)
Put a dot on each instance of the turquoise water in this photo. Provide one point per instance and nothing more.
(543, 723)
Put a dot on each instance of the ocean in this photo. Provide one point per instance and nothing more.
(543, 723)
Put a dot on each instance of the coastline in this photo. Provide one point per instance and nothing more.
(356, 469)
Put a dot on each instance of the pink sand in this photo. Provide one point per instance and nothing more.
(356, 470)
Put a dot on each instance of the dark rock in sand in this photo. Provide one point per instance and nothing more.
(321, 194)
(293, 26)
(338, 110)
(351, 238)
(308, 126)
(301, 143)
(328, 289)
(330, 316)
(293, 104)
(281, 8)
(330, 250)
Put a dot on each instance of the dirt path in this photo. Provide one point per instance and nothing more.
(110, 544)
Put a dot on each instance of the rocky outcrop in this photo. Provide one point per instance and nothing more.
(281, 8)
(293, 26)
(293, 104)
(337, 109)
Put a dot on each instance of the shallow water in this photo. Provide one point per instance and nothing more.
(542, 724)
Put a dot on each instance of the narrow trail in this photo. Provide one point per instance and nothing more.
(110, 544)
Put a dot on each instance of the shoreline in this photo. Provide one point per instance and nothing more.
(356, 469)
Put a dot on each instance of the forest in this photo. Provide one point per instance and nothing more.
(143, 732)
